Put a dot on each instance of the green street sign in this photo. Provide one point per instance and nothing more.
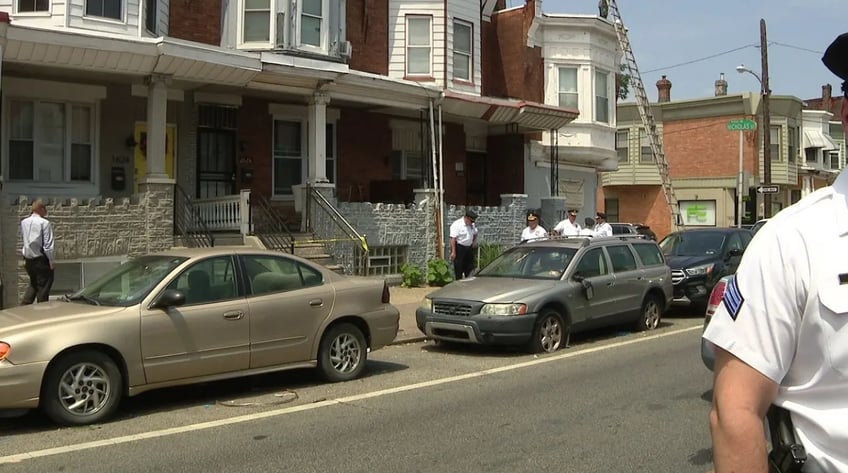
(742, 124)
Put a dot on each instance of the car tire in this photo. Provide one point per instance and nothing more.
(342, 353)
(650, 315)
(550, 333)
(82, 387)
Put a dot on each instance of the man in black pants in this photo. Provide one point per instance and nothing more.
(463, 240)
(37, 235)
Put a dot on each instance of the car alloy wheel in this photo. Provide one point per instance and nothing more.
(651, 314)
(81, 388)
(550, 333)
(342, 353)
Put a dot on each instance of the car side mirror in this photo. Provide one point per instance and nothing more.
(588, 289)
(170, 298)
(578, 277)
(734, 252)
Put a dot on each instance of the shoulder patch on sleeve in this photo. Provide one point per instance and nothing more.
(733, 298)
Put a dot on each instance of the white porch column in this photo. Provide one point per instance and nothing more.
(806, 186)
(157, 107)
(317, 137)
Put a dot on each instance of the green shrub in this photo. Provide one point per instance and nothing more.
(488, 252)
(439, 272)
(411, 275)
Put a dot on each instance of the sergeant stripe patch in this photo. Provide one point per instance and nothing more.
(733, 298)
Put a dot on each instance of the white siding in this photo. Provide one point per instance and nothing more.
(469, 11)
(129, 24)
(398, 9)
(54, 18)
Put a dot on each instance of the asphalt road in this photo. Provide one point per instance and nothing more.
(612, 402)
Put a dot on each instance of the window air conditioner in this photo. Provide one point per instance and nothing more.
(345, 49)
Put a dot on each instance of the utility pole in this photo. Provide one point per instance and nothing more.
(766, 93)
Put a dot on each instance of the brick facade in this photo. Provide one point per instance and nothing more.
(704, 147)
(196, 20)
(505, 166)
(367, 29)
(510, 68)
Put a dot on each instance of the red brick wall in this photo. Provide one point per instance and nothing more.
(196, 20)
(705, 148)
(505, 167)
(365, 149)
(509, 67)
(368, 33)
(254, 132)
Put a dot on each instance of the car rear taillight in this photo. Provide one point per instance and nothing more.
(386, 295)
(4, 350)
(715, 297)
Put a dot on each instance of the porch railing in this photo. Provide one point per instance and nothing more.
(188, 223)
(347, 246)
(226, 213)
(269, 226)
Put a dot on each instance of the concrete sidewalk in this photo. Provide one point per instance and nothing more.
(407, 299)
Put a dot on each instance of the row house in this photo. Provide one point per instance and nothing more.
(704, 159)
(823, 141)
(140, 120)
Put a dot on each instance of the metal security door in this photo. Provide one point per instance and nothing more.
(216, 156)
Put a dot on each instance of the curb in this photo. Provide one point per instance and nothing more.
(408, 340)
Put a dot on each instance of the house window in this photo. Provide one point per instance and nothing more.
(313, 26)
(647, 154)
(622, 147)
(257, 21)
(812, 154)
(406, 165)
(50, 141)
(602, 97)
(568, 87)
(150, 7)
(104, 8)
(793, 143)
(834, 160)
(27, 6)
(775, 143)
(419, 40)
(462, 50)
(611, 209)
(288, 155)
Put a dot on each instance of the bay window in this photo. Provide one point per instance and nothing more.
(316, 26)
(419, 46)
(602, 102)
(257, 21)
(462, 51)
(568, 97)
(313, 24)
(50, 141)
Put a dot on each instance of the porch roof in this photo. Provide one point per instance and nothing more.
(105, 52)
(528, 116)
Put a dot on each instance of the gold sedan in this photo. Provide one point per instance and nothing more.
(183, 317)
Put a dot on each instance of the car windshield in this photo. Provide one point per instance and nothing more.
(537, 262)
(128, 283)
(692, 244)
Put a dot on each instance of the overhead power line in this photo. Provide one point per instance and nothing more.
(693, 61)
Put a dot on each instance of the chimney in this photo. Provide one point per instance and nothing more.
(827, 97)
(720, 86)
(663, 90)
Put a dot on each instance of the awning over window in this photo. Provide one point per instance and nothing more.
(817, 139)
(527, 116)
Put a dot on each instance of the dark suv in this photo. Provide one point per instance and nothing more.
(699, 257)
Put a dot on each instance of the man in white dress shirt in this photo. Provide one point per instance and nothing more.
(569, 226)
(463, 240)
(533, 231)
(602, 228)
(37, 235)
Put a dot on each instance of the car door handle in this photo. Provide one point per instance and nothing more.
(234, 315)
(316, 303)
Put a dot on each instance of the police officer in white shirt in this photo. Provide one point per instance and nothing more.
(588, 227)
(463, 240)
(533, 231)
(781, 331)
(37, 235)
(569, 226)
(602, 228)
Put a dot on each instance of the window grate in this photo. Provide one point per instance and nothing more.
(211, 116)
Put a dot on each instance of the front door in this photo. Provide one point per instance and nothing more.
(475, 178)
(216, 158)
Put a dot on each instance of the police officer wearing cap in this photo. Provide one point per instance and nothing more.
(569, 226)
(781, 330)
(463, 239)
(533, 231)
(602, 228)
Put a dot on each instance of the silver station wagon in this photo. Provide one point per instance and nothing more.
(536, 294)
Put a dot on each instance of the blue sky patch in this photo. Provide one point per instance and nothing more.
(733, 298)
